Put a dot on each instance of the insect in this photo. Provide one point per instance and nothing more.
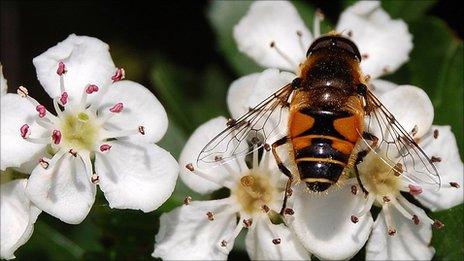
(332, 118)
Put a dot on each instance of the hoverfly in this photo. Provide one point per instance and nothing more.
(332, 115)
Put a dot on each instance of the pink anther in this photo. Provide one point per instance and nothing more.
(414, 190)
(91, 89)
(64, 98)
(56, 137)
(118, 75)
(24, 131)
(61, 69)
(117, 108)
(41, 110)
(105, 147)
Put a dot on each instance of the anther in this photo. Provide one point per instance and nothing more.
(210, 215)
(386, 69)
(44, 163)
(267, 147)
(415, 130)
(22, 91)
(398, 169)
(276, 241)
(64, 98)
(299, 33)
(414, 190)
(354, 219)
(415, 219)
(437, 224)
(190, 167)
(118, 75)
(247, 181)
(247, 222)
(41, 110)
(454, 184)
(224, 243)
(105, 147)
(56, 137)
(365, 56)
(25, 131)
(73, 152)
(265, 208)
(231, 122)
(386, 199)
(391, 231)
(350, 33)
(95, 179)
(354, 189)
(187, 200)
(117, 108)
(289, 192)
(289, 211)
(61, 69)
(91, 89)
(272, 44)
(217, 158)
(435, 159)
(142, 130)
(435, 133)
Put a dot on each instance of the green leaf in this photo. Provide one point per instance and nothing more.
(448, 241)
(223, 16)
(407, 10)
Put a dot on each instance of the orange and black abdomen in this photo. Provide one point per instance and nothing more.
(322, 144)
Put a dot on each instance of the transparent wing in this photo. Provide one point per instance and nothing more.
(261, 125)
(397, 146)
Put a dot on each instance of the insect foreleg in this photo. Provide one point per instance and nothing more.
(284, 170)
(362, 154)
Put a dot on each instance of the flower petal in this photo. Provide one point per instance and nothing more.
(450, 169)
(186, 232)
(136, 175)
(411, 107)
(386, 42)
(87, 61)
(411, 242)
(63, 190)
(277, 24)
(200, 137)
(18, 216)
(239, 93)
(380, 87)
(260, 246)
(141, 108)
(15, 151)
(323, 223)
(3, 83)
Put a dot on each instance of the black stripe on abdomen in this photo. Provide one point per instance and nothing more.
(321, 148)
(315, 172)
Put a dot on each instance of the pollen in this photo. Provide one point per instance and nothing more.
(254, 191)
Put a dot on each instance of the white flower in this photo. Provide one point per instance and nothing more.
(99, 119)
(3, 83)
(202, 230)
(402, 230)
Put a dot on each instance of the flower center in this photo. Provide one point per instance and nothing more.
(79, 131)
(378, 176)
(254, 191)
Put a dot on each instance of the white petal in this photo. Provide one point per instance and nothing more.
(3, 83)
(450, 169)
(411, 106)
(387, 42)
(136, 175)
(63, 190)
(411, 242)
(275, 22)
(380, 87)
(87, 61)
(239, 93)
(186, 233)
(323, 222)
(18, 216)
(16, 111)
(260, 247)
(200, 137)
(141, 108)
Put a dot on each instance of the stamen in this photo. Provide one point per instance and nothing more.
(414, 189)
(247, 222)
(438, 224)
(56, 137)
(354, 219)
(406, 204)
(435, 159)
(61, 69)
(414, 130)
(105, 147)
(255, 157)
(318, 17)
(95, 179)
(435, 134)
(72, 152)
(118, 75)
(454, 184)
(142, 130)
(276, 241)
(91, 89)
(289, 211)
(123, 133)
(57, 108)
(25, 132)
(210, 215)
(64, 98)
(204, 175)
(233, 236)
(415, 219)
(264, 165)
(354, 189)
(300, 42)
(405, 213)
(41, 110)
(388, 220)
(22, 91)
(365, 56)
(187, 200)
(44, 163)
(282, 54)
(117, 108)
(265, 208)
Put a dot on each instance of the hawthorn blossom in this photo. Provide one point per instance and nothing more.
(103, 132)
(274, 36)
(206, 230)
(18, 214)
(403, 231)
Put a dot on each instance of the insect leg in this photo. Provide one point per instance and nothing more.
(362, 154)
(284, 170)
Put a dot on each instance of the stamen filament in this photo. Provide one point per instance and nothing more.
(206, 176)
(367, 205)
(283, 55)
(318, 17)
(57, 108)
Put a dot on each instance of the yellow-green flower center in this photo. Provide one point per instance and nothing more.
(254, 191)
(378, 176)
(79, 131)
